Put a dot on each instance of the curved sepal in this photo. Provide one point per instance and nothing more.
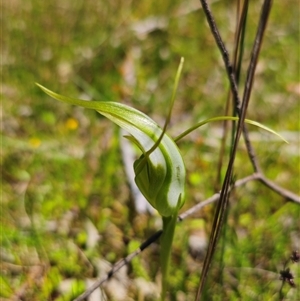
(160, 172)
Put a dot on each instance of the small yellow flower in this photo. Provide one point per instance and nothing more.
(71, 124)
(35, 142)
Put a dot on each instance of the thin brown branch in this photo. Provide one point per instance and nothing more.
(237, 61)
(224, 53)
(251, 72)
(223, 201)
(238, 57)
(117, 266)
(241, 110)
(279, 190)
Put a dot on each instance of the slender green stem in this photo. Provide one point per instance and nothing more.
(169, 224)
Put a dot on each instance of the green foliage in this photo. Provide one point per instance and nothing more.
(159, 171)
(56, 169)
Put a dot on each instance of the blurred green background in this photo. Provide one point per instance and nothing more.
(66, 208)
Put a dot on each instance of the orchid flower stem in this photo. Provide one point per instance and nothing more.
(169, 225)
